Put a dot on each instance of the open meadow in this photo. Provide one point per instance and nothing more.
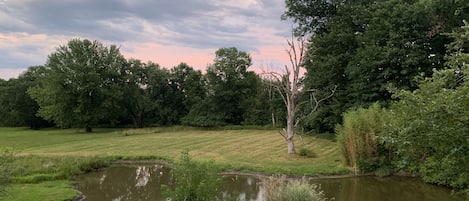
(54, 154)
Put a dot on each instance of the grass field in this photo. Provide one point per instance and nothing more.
(250, 150)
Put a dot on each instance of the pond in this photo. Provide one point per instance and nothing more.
(142, 182)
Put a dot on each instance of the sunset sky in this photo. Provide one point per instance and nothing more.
(167, 32)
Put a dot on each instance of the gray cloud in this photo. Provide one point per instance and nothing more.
(190, 23)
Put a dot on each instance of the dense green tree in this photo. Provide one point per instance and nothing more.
(227, 83)
(164, 95)
(430, 133)
(363, 47)
(310, 15)
(18, 108)
(188, 87)
(136, 101)
(256, 102)
(80, 86)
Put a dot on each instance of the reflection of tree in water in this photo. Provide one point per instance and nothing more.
(125, 183)
(142, 176)
(245, 188)
(383, 189)
(143, 183)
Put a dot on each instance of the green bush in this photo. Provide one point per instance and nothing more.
(306, 153)
(277, 188)
(358, 137)
(193, 181)
(430, 131)
(6, 160)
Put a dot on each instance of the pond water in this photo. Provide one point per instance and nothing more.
(142, 182)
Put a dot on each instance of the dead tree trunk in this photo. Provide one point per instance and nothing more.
(291, 87)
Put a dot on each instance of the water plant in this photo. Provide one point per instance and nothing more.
(191, 180)
(278, 188)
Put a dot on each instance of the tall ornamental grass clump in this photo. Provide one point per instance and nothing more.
(358, 137)
(195, 181)
(277, 188)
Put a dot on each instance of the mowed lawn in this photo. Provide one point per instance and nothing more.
(256, 150)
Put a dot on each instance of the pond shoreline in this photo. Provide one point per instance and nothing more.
(231, 172)
(328, 182)
(263, 174)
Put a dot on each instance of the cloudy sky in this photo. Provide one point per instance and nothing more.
(163, 31)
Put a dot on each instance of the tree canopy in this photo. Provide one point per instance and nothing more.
(365, 47)
(430, 130)
(80, 86)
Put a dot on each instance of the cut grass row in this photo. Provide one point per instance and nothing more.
(249, 150)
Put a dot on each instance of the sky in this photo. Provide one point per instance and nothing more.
(166, 32)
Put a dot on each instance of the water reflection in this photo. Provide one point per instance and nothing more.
(245, 188)
(143, 182)
(385, 189)
(124, 183)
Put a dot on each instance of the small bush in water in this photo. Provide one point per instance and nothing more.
(277, 188)
(193, 181)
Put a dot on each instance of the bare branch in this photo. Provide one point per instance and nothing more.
(316, 102)
(283, 135)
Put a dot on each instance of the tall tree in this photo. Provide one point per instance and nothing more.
(227, 85)
(164, 96)
(310, 15)
(81, 85)
(188, 88)
(430, 134)
(227, 81)
(291, 87)
(18, 108)
(136, 101)
(365, 46)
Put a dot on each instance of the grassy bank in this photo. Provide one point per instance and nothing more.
(58, 154)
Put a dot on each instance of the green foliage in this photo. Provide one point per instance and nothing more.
(231, 95)
(358, 137)
(193, 181)
(430, 130)
(310, 15)
(18, 108)
(57, 190)
(365, 46)
(34, 169)
(306, 153)
(277, 188)
(6, 160)
(80, 86)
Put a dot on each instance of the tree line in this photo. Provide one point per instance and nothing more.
(401, 72)
(362, 49)
(366, 47)
(87, 84)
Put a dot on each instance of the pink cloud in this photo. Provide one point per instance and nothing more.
(266, 58)
(7, 73)
(169, 56)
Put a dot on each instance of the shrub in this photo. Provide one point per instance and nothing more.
(6, 159)
(358, 137)
(430, 131)
(306, 153)
(193, 181)
(277, 188)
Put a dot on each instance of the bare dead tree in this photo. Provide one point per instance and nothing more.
(290, 86)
